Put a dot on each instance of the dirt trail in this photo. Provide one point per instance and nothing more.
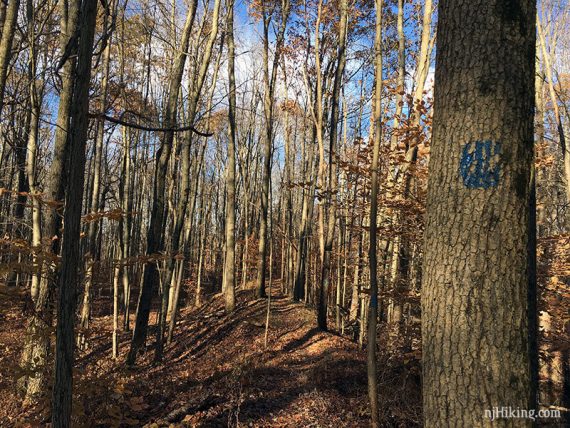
(217, 372)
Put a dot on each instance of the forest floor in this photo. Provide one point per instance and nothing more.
(217, 372)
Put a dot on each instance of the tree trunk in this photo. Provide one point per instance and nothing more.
(125, 225)
(400, 246)
(37, 330)
(322, 175)
(394, 244)
(6, 44)
(477, 291)
(36, 95)
(229, 269)
(305, 226)
(332, 180)
(116, 275)
(355, 298)
(95, 194)
(269, 79)
(180, 214)
(554, 101)
(155, 234)
(372, 250)
(69, 278)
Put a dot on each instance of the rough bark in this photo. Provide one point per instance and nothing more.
(477, 285)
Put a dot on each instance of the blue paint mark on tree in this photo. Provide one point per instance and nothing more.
(480, 164)
(374, 300)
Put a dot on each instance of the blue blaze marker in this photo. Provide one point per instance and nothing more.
(374, 300)
(479, 165)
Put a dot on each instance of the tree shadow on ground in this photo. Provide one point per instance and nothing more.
(217, 370)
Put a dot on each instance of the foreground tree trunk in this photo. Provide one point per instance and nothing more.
(478, 288)
(62, 389)
(93, 229)
(318, 117)
(36, 97)
(37, 331)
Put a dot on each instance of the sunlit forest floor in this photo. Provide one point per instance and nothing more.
(217, 372)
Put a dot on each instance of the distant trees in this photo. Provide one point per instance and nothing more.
(155, 235)
(548, 71)
(478, 291)
(270, 69)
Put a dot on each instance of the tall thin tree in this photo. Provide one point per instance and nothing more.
(6, 44)
(229, 269)
(155, 234)
(372, 250)
(269, 82)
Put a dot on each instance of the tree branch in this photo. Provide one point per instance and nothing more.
(148, 128)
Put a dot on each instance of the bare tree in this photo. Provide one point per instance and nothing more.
(269, 82)
(155, 237)
(229, 269)
(373, 304)
(69, 277)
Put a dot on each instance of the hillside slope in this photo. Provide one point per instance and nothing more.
(217, 372)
